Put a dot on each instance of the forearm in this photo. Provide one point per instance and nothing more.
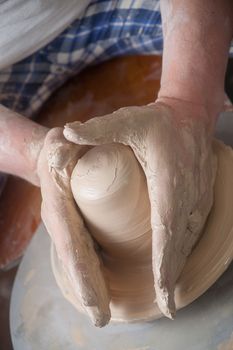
(20, 143)
(197, 37)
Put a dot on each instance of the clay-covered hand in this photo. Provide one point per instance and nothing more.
(60, 214)
(173, 143)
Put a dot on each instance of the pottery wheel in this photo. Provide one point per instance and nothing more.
(42, 319)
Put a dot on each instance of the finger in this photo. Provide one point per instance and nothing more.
(75, 249)
(162, 252)
(169, 216)
(174, 232)
(61, 157)
(72, 241)
(116, 127)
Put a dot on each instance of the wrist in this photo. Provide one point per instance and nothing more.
(173, 92)
(184, 112)
(34, 152)
(21, 142)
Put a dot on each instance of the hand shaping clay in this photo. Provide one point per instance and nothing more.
(110, 190)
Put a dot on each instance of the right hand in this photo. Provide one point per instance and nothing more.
(172, 141)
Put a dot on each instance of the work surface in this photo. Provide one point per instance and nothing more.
(41, 319)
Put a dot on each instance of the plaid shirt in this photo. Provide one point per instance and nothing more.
(106, 30)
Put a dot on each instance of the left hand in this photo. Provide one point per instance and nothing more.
(60, 214)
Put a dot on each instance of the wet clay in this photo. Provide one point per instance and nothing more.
(110, 189)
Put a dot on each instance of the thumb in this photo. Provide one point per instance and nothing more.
(115, 127)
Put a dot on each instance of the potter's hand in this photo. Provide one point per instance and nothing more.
(73, 243)
(172, 142)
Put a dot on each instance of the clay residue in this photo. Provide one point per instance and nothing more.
(29, 276)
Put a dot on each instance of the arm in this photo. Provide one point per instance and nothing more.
(44, 158)
(197, 37)
(172, 138)
(21, 141)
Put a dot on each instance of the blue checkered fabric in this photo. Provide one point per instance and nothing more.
(106, 30)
